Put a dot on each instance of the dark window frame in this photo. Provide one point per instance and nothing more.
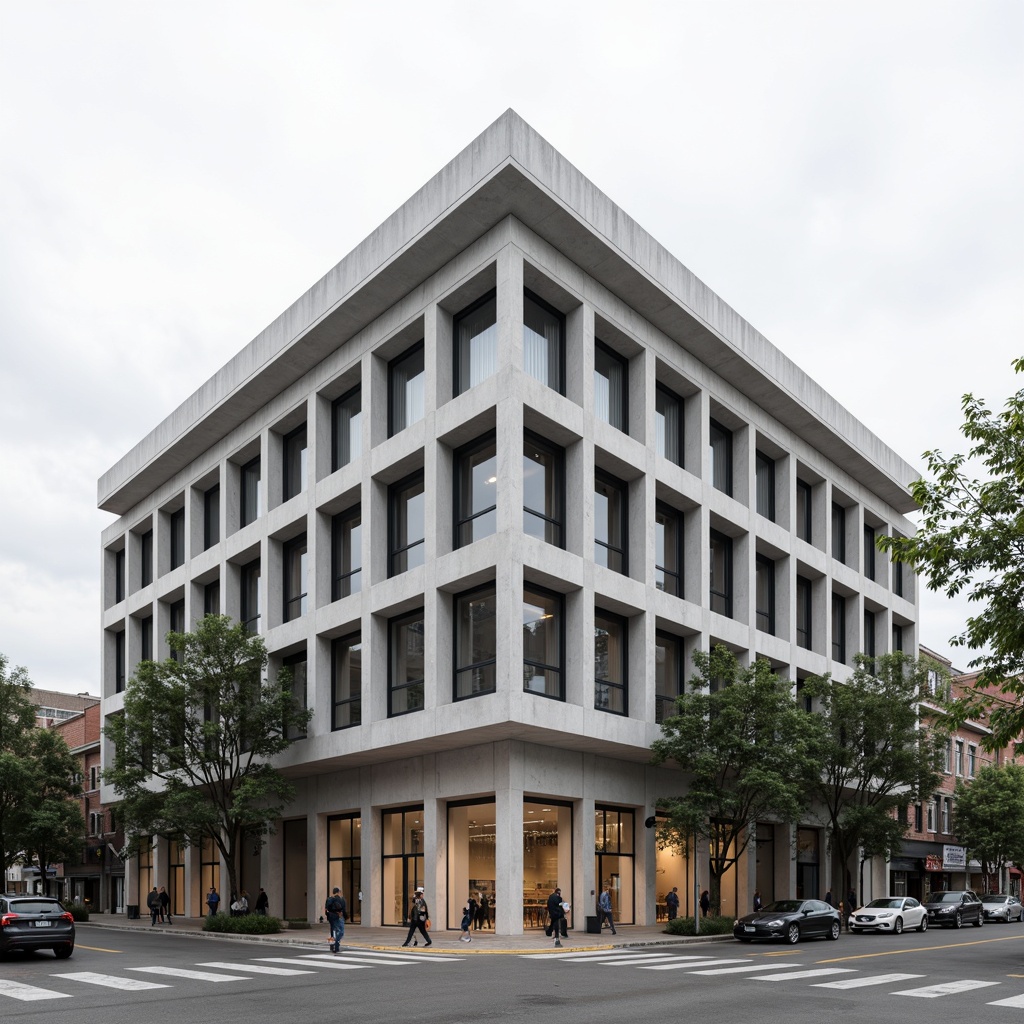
(211, 517)
(672, 396)
(350, 706)
(346, 582)
(897, 637)
(724, 596)
(665, 703)
(558, 602)
(764, 617)
(459, 386)
(290, 662)
(554, 523)
(120, 577)
(869, 552)
(176, 525)
(120, 661)
(764, 490)
(146, 638)
(838, 532)
(721, 469)
(418, 349)
(804, 522)
(804, 606)
(246, 514)
(472, 667)
(621, 549)
(146, 558)
(294, 605)
(529, 296)
(211, 591)
(294, 468)
(839, 635)
(413, 685)
(619, 419)
(246, 615)
(463, 519)
(337, 407)
(176, 617)
(621, 688)
(396, 550)
(674, 574)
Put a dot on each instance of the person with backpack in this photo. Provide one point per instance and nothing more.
(604, 907)
(336, 910)
(468, 917)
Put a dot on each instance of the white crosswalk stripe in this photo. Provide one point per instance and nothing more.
(819, 972)
(748, 969)
(875, 979)
(374, 954)
(947, 988)
(111, 981)
(1016, 1001)
(28, 993)
(628, 958)
(255, 968)
(686, 963)
(333, 965)
(181, 972)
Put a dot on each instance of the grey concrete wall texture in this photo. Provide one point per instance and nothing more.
(509, 216)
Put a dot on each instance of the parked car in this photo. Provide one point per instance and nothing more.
(891, 914)
(35, 922)
(790, 921)
(955, 908)
(997, 906)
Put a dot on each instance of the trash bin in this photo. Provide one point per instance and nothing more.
(132, 911)
(593, 925)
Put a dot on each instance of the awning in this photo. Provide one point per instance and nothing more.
(904, 864)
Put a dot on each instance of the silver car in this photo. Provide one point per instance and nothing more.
(997, 906)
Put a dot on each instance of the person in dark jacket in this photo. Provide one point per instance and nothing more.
(556, 915)
(165, 906)
(419, 913)
(705, 903)
(262, 903)
(153, 902)
(672, 903)
(336, 910)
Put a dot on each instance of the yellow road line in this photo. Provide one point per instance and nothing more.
(783, 952)
(920, 949)
(97, 949)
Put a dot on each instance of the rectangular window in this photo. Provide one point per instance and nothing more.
(721, 574)
(475, 643)
(947, 808)
(668, 674)
(177, 538)
(346, 553)
(897, 578)
(543, 342)
(764, 587)
(803, 613)
(931, 815)
(295, 566)
(869, 552)
(668, 550)
(146, 638)
(610, 664)
(211, 598)
(542, 643)
(918, 818)
(119, 564)
(610, 516)
(972, 760)
(346, 428)
(408, 524)
(476, 490)
(839, 628)
(120, 667)
(475, 333)
(869, 634)
(146, 558)
(249, 509)
(897, 637)
(803, 510)
(211, 517)
(347, 682)
(296, 664)
(764, 474)
(177, 622)
(295, 463)
(611, 387)
(406, 664)
(406, 390)
(668, 424)
(721, 457)
(958, 764)
(947, 758)
(543, 491)
(249, 605)
(838, 533)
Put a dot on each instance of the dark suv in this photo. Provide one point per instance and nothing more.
(955, 908)
(35, 922)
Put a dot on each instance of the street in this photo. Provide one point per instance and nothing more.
(976, 974)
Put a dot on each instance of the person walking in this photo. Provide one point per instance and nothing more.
(213, 900)
(672, 903)
(262, 902)
(419, 914)
(705, 903)
(828, 898)
(153, 902)
(757, 900)
(468, 919)
(483, 915)
(604, 906)
(165, 906)
(556, 916)
(336, 910)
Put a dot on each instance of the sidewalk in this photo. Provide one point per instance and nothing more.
(364, 937)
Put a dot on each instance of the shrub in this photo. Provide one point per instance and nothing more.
(248, 924)
(708, 926)
(79, 911)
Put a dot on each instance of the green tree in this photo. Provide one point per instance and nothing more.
(193, 745)
(971, 540)
(989, 816)
(746, 747)
(873, 755)
(17, 724)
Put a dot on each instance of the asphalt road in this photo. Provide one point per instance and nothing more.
(969, 975)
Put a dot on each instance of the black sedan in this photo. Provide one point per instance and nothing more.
(790, 921)
(954, 908)
(35, 922)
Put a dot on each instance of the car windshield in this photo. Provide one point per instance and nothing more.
(945, 897)
(35, 907)
(782, 907)
(886, 904)
(993, 898)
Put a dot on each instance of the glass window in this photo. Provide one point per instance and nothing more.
(146, 638)
(668, 674)
(721, 457)
(475, 332)
(347, 682)
(958, 764)
(407, 388)
(346, 553)
(839, 628)
(610, 663)
(765, 486)
(668, 424)
(764, 587)
(344, 860)
(475, 642)
(543, 490)
(947, 807)
(177, 538)
(897, 578)
(611, 387)
(211, 598)
(120, 664)
(610, 523)
(542, 643)
(146, 557)
(295, 566)
(869, 634)
(250, 596)
(668, 550)
(408, 524)
(177, 623)
(721, 574)
(346, 428)
(250, 494)
(838, 532)
(476, 482)
(211, 517)
(119, 576)
(543, 342)
(869, 552)
(296, 663)
(897, 637)
(803, 613)
(803, 510)
(406, 664)
(972, 759)
(295, 463)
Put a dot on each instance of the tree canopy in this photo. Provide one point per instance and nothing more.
(989, 816)
(193, 745)
(971, 540)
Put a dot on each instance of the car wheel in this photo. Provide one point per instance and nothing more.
(898, 926)
(793, 934)
(833, 932)
(923, 926)
(63, 952)
(980, 921)
(958, 921)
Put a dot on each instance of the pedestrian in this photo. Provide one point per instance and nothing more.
(483, 912)
(556, 916)
(705, 903)
(468, 918)
(213, 900)
(828, 898)
(419, 919)
(336, 910)
(757, 900)
(851, 906)
(165, 906)
(604, 908)
(672, 903)
(262, 903)
(153, 902)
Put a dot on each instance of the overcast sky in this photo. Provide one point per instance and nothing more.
(847, 176)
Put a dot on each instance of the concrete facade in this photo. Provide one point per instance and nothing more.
(509, 218)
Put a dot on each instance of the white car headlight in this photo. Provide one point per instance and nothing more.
(776, 924)
(887, 913)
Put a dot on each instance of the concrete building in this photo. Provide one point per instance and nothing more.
(486, 487)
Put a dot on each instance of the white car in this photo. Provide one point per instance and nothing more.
(891, 914)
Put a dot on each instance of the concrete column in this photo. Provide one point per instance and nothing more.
(508, 865)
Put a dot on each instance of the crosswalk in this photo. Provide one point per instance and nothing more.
(69, 983)
(745, 968)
